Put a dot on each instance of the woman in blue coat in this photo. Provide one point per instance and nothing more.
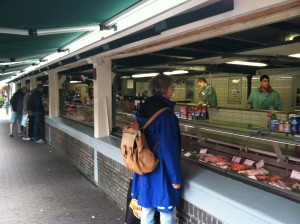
(159, 190)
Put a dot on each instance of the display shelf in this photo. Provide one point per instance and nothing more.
(221, 156)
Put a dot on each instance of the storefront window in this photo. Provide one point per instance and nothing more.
(251, 146)
(45, 97)
(77, 98)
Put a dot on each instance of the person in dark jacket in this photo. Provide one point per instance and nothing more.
(27, 126)
(159, 190)
(17, 107)
(36, 107)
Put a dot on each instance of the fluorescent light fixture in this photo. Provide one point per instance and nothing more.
(247, 63)
(75, 81)
(236, 81)
(9, 73)
(125, 77)
(53, 57)
(176, 72)
(87, 40)
(143, 11)
(295, 55)
(67, 30)
(134, 15)
(144, 75)
(14, 31)
(19, 62)
(291, 37)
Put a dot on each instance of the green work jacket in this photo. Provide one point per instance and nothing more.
(265, 100)
(208, 96)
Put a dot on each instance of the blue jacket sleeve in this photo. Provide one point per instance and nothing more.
(169, 149)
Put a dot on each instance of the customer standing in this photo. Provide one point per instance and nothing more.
(207, 94)
(17, 107)
(265, 97)
(27, 131)
(36, 106)
(159, 190)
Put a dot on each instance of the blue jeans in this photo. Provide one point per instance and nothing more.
(165, 217)
(38, 122)
(16, 117)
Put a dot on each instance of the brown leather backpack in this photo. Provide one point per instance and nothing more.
(136, 153)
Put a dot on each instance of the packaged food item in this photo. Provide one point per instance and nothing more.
(281, 126)
(295, 120)
(287, 127)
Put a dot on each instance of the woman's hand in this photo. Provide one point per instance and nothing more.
(176, 186)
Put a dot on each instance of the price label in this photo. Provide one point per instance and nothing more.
(248, 162)
(260, 164)
(203, 151)
(295, 175)
(188, 154)
(236, 159)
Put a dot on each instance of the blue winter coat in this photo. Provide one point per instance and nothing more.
(155, 189)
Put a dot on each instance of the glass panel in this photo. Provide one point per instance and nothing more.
(259, 148)
(45, 97)
(77, 99)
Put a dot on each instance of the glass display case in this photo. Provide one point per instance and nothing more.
(77, 101)
(256, 147)
(268, 161)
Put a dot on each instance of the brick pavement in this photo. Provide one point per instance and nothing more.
(36, 186)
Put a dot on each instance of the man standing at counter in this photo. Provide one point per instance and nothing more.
(265, 97)
(35, 105)
(207, 93)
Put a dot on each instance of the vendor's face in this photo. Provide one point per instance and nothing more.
(201, 85)
(265, 83)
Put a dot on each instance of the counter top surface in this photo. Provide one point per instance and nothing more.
(227, 199)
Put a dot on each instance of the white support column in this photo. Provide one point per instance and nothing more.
(13, 88)
(23, 82)
(53, 94)
(32, 82)
(102, 98)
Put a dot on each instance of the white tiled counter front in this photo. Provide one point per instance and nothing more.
(242, 118)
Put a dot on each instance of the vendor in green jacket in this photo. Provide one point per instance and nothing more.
(265, 97)
(207, 93)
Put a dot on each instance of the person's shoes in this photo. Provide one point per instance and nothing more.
(11, 134)
(40, 141)
(26, 139)
(20, 134)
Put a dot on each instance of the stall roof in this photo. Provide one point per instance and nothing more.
(270, 44)
(266, 43)
(32, 16)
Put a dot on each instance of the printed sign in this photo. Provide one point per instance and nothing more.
(203, 151)
(295, 175)
(248, 162)
(236, 159)
(260, 164)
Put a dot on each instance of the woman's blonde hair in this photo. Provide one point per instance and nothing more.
(160, 84)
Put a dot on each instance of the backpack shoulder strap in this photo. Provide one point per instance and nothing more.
(154, 116)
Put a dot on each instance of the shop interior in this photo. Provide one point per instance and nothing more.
(233, 141)
(230, 140)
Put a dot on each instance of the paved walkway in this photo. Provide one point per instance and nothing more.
(38, 187)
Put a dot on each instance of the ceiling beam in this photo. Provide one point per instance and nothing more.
(41, 32)
(285, 26)
(243, 40)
